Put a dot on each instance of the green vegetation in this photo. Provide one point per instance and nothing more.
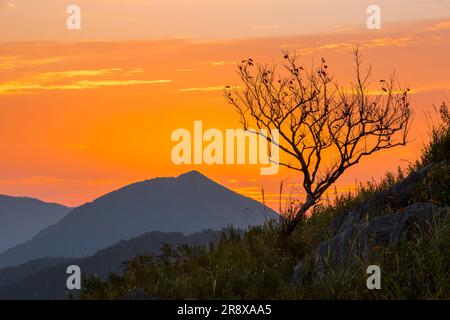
(256, 266)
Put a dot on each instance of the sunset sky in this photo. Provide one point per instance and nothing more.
(84, 112)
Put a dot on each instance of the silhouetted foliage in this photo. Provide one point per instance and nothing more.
(438, 148)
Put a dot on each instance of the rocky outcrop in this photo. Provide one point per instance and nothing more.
(394, 197)
(360, 239)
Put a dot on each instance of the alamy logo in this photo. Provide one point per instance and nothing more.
(73, 22)
(74, 280)
(232, 148)
(374, 20)
(374, 280)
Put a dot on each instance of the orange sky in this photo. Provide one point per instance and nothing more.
(78, 119)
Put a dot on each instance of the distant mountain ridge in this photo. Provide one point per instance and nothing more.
(46, 278)
(21, 218)
(188, 203)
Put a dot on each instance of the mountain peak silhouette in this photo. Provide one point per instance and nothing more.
(188, 203)
(194, 174)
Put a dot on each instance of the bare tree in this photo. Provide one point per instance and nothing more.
(324, 128)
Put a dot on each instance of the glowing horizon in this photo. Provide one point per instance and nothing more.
(82, 118)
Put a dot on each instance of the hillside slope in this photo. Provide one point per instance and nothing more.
(21, 218)
(46, 278)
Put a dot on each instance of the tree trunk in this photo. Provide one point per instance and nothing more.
(290, 225)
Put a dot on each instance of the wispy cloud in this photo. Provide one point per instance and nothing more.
(222, 63)
(17, 87)
(401, 41)
(66, 80)
(391, 42)
(76, 73)
(433, 87)
(442, 25)
(86, 84)
(205, 89)
(11, 6)
(13, 62)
